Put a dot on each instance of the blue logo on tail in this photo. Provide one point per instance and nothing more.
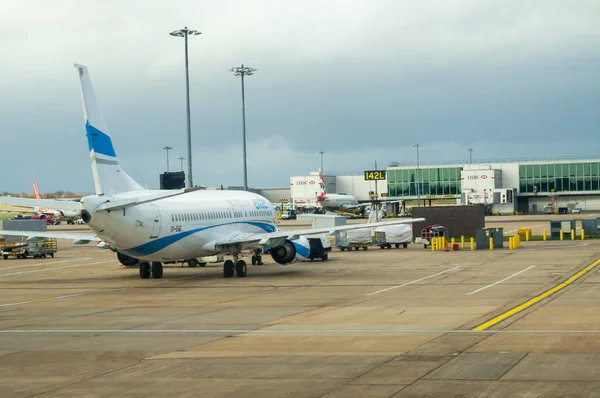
(99, 141)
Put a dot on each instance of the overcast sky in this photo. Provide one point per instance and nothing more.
(361, 80)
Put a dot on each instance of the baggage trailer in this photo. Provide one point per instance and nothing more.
(354, 239)
(431, 232)
(395, 235)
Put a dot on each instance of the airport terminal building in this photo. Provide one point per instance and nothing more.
(527, 186)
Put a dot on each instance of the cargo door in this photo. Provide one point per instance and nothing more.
(155, 222)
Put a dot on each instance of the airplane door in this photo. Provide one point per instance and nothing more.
(155, 222)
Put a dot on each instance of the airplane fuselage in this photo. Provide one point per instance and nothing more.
(336, 201)
(178, 227)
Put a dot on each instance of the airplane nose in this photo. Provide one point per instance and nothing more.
(86, 216)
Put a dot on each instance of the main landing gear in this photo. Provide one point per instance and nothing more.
(257, 258)
(156, 270)
(239, 267)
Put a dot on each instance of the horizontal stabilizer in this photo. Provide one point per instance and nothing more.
(52, 203)
(120, 204)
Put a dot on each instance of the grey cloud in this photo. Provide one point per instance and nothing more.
(361, 80)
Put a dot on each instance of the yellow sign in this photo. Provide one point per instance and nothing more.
(371, 175)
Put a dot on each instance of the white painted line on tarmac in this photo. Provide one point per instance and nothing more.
(101, 291)
(415, 281)
(298, 331)
(45, 263)
(502, 280)
(54, 268)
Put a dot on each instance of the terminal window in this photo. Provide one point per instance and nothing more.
(434, 181)
(559, 177)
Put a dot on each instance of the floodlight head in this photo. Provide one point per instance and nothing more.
(242, 70)
(177, 33)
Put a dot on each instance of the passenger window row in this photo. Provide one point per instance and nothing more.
(217, 215)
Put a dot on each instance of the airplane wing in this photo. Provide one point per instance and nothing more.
(34, 235)
(52, 203)
(278, 237)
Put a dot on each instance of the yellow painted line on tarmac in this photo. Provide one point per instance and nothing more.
(515, 310)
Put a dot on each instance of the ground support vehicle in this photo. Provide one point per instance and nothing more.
(431, 232)
(319, 247)
(22, 248)
(396, 235)
(354, 239)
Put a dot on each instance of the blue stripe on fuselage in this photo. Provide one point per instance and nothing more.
(99, 141)
(161, 243)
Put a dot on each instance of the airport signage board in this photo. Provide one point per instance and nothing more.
(374, 175)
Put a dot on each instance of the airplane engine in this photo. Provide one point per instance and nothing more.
(291, 251)
(126, 260)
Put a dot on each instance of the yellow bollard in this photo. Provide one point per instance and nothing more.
(572, 234)
(443, 242)
(582, 235)
(510, 242)
(491, 243)
(544, 235)
(472, 243)
(462, 241)
(527, 235)
(562, 234)
(432, 243)
(452, 244)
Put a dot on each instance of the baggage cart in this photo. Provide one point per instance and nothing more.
(431, 232)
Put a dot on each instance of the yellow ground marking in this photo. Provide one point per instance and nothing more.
(536, 299)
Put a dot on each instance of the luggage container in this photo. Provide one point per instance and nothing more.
(354, 239)
(393, 235)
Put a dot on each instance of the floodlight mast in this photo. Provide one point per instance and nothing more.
(243, 71)
(185, 32)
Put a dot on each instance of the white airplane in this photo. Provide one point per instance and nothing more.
(151, 227)
(59, 210)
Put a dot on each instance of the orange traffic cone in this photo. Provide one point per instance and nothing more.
(446, 248)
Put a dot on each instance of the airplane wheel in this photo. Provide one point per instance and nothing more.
(405, 245)
(397, 245)
(228, 269)
(157, 270)
(259, 260)
(241, 268)
(192, 262)
(253, 260)
(144, 270)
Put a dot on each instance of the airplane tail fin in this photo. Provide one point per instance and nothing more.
(109, 177)
(35, 191)
(323, 191)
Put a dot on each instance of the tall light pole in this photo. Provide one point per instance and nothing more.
(181, 160)
(321, 153)
(185, 32)
(418, 176)
(470, 155)
(167, 148)
(243, 71)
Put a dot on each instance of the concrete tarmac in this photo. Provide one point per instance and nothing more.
(375, 323)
